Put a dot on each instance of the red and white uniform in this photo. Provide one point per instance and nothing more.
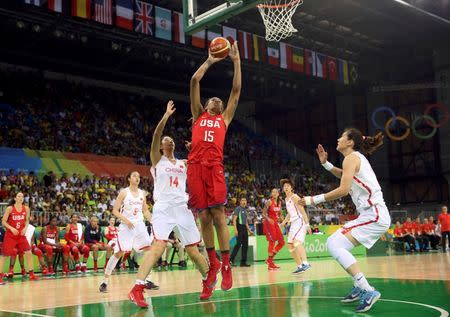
(11, 243)
(73, 234)
(374, 218)
(138, 237)
(111, 236)
(51, 237)
(297, 230)
(272, 230)
(206, 179)
(170, 212)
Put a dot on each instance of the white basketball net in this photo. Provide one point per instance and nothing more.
(277, 17)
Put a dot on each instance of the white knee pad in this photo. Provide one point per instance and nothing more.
(339, 246)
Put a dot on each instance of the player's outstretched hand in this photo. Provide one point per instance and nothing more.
(234, 52)
(170, 108)
(302, 201)
(322, 154)
(213, 59)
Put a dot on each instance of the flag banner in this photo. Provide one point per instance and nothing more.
(143, 17)
(124, 14)
(332, 68)
(245, 45)
(61, 6)
(285, 56)
(298, 60)
(353, 72)
(199, 39)
(343, 71)
(178, 28)
(103, 11)
(81, 8)
(273, 52)
(163, 28)
(321, 65)
(310, 62)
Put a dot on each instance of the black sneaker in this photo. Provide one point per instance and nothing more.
(182, 264)
(150, 285)
(103, 288)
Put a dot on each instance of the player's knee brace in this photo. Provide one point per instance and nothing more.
(338, 246)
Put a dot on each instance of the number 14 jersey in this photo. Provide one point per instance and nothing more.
(208, 136)
(169, 181)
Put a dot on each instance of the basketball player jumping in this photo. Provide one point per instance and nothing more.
(170, 212)
(206, 180)
(359, 180)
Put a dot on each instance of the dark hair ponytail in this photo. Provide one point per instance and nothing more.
(364, 144)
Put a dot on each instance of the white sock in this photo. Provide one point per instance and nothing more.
(83, 264)
(111, 265)
(140, 282)
(361, 282)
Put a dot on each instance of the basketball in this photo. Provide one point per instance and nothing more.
(220, 47)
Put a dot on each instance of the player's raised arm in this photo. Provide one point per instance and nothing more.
(155, 154)
(323, 158)
(196, 104)
(237, 84)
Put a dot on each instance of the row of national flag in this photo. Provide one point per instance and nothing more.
(144, 17)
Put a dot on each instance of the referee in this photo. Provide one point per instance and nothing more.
(241, 230)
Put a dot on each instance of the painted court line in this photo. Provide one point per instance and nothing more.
(443, 313)
(24, 313)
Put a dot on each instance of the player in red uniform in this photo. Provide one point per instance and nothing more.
(50, 242)
(271, 228)
(205, 176)
(74, 238)
(111, 235)
(15, 220)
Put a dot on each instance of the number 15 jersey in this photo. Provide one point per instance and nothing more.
(169, 181)
(208, 136)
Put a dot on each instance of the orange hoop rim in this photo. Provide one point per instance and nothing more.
(290, 4)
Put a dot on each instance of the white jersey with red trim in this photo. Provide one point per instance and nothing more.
(365, 190)
(292, 209)
(132, 205)
(169, 182)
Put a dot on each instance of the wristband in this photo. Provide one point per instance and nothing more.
(308, 200)
(318, 199)
(328, 166)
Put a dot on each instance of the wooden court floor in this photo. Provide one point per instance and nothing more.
(411, 285)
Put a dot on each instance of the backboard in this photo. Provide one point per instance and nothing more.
(195, 20)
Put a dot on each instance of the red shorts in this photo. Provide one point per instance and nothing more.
(272, 231)
(13, 245)
(206, 186)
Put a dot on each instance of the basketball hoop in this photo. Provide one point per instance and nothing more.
(277, 17)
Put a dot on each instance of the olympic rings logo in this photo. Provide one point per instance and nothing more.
(412, 127)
